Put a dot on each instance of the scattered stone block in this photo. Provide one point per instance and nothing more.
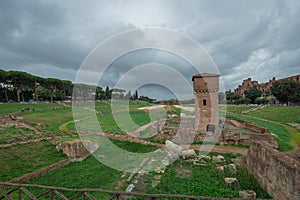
(201, 163)
(130, 188)
(232, 168)
(155, 183)
(219, 159)
(220, 168)
(77, 150)
(233, 182)
(205, 158)
(160, 170)
(189, 154)
(247, 194)
(171, 146)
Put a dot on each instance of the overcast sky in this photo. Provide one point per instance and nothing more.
(258, 39)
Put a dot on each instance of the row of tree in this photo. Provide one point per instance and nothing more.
(17, 86)
(287, 91)
(20, 86)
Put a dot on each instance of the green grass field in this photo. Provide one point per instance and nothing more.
(52, 118)
(17, 107)
(87, 174)
(237, 108)
(21, 159)
(282, 114)
(18, 160)
(204, 181)
(184, 178)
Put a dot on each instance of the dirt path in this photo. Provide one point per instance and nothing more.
(253, 109)
(220, 149)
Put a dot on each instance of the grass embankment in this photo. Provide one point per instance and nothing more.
(281, 114)
(237, 109)
(276, 119)
(18, 160)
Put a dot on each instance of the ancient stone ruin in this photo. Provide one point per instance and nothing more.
(277, 172)
(77, 150)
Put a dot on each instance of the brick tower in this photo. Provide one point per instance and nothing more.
(206, 89)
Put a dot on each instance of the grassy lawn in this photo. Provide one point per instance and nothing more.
(17, 107)
(90, 173)
(282, 114)
(282, 135)
(18, 160)
(108, 123)
(13, 134)
(205, 181)
(52, 118)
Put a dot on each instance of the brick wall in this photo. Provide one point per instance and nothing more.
(277, 172)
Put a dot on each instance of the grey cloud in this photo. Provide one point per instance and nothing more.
(53, 37)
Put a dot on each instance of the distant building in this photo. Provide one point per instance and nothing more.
(264, 87)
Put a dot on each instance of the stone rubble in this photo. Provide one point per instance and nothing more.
(247, 194)
(232, 168)
(233, 182)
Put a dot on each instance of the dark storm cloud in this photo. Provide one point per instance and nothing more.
(256, 39)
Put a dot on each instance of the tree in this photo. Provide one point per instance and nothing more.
(231, 97)
(4, 83)
(261, 100)
(108, 93)
(252, 94)
(286, 91)
(99, 93)
(52, 85)
(147, 99)
(21, 81)
(65, 89)
(243, 100)
(135, 96)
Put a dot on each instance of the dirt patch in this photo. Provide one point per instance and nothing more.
(152, 107)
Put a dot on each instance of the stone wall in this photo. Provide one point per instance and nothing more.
(183, 129)
(77, 150)
(277, 172)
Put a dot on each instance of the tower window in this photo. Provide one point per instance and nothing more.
(204, 102)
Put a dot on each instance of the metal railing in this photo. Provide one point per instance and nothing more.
(12, 191)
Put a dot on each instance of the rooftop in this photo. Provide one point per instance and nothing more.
(205, 75)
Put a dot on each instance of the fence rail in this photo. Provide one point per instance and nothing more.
(21, 191)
